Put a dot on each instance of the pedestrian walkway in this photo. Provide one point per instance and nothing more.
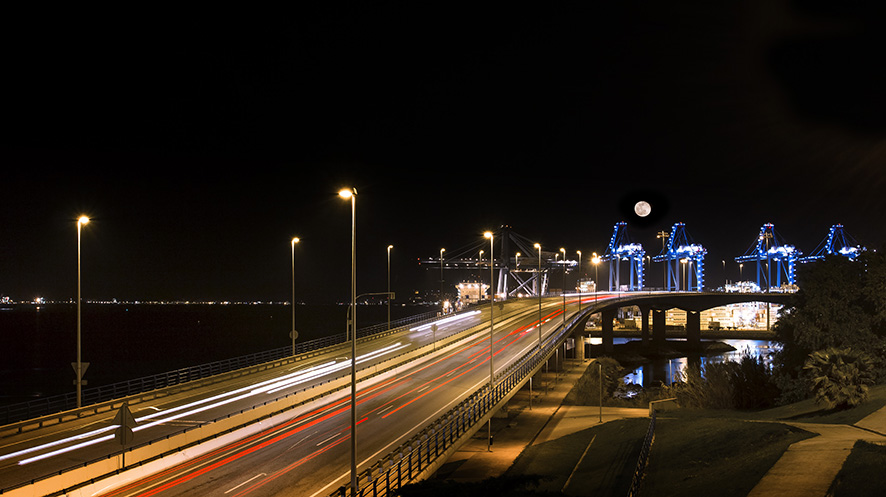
(809, 467)
(548, 420)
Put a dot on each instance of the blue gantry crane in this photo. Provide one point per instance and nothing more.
(837, 242)
(622, 249)
(770, 250)
(680, 249)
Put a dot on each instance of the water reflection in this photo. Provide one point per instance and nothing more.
(667, 370)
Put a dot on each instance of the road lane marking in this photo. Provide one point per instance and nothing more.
(330, 438)
(245, 482)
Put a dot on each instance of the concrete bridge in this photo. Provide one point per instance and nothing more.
(658, 303)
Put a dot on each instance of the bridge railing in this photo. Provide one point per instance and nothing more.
(57, 403)
(407, 463)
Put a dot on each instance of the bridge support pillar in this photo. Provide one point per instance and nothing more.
(644, 326)
(693, 328)
(580, 347)
(606, 318)
(658, 326)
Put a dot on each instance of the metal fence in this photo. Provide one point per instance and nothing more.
(643, 460)
(406, 463)
(57, 403)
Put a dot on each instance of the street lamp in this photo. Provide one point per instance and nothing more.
(683, 267)
(488, 235)
(579, 279)
(351, 193)
(81, 366)
(293, 334)
(595, 259)
(563, 284)
(664, 279)
(389, 285)
(441, 277)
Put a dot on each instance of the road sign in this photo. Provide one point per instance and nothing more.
(79, 376)
(124, 435)
(126, 423)
(293, 335)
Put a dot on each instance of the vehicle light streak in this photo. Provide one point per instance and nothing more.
(340, 406)
(267, 386)
(448, 320)
(480, 354)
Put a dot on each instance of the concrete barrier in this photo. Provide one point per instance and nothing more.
(663, 405)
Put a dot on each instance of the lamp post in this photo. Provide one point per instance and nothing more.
(389, 285)
(441, 277)
(683, 267)
(579, 279)
(293, 334)
(595, 259)
(538, 247)
(351, 194)
(80, 369)
(563, 284)
(664, 279)
(488, 235)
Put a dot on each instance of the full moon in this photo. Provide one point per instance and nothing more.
(642, 208)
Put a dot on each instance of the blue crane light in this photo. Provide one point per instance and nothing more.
(622, 249)
(769, 248)
(837, 242)
(681, 249)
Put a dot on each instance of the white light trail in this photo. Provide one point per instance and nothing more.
(266, 387)
(450, 319)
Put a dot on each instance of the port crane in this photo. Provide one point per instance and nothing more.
(770, 252)
(680, 249)
(622, 249)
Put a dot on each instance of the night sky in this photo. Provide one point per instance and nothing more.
(200, 143)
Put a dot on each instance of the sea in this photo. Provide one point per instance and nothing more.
(121, 341)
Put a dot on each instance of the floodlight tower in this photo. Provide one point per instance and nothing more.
(621, 249)
(769, 248)
(837, 242)
(680, 247)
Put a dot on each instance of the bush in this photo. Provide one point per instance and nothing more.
(840, 376)
(707, 387)
(586, 391)
(753, 383)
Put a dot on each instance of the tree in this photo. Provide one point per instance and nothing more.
(840, 304)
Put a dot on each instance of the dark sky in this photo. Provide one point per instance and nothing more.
(200, 144)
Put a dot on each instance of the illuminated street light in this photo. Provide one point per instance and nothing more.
(80, 369)
(293, 334)
(352, 195)
(579, 279)
(595, 259)
(563, 284)
(389, 285)
(441, 276)
(488, 235)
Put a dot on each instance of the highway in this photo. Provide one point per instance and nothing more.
(308, 452)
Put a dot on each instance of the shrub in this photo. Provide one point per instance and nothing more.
(840, 376)
(707, 387)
